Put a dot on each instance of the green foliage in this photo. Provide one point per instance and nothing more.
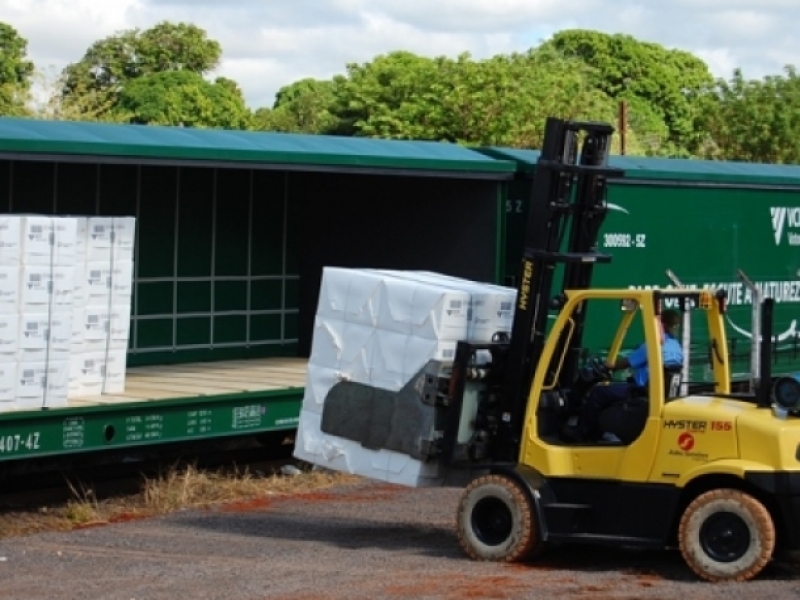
(499, 101)
(92, 87)
(674, 106)
(15, 72)
(183, 98)
(661, 84)
(300, 107)
(176, 47)
(756, 120)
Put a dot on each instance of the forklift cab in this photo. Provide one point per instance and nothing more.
(628, 318)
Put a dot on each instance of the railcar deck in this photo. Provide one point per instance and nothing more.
(164, 404)
(196, 380)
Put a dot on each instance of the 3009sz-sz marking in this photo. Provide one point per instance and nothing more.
(625, 240)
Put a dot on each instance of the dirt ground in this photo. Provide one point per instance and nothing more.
(366, 540)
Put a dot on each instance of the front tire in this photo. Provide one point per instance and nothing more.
(496, 521)
(726, 535)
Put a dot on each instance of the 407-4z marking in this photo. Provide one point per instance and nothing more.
(19, 442)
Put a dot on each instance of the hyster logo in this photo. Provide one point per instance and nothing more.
(685, 424)
(784, 217)
(525, 289)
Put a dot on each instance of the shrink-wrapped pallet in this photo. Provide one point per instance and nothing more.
(381, 328)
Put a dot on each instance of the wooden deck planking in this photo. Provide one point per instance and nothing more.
(166, 382)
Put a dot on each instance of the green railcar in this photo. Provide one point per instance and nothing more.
(233, 229)
(705, 221)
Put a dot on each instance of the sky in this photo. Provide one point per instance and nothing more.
(270, 43)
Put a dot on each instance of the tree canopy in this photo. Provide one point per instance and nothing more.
(300, 107)
(183, 98)
(756, 120)
(675, 107)
(15, 72)
(502, 100)
(662, 86)
(94, 86)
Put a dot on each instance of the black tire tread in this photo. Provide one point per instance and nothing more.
(529, 544)
(762, 518)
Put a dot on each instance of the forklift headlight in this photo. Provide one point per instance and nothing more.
(786, 393)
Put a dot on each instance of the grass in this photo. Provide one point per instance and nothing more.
(175, 489)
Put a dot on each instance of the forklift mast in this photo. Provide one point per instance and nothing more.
(568, 202)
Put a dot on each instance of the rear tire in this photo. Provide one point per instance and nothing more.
(726, 535)
(496, 521)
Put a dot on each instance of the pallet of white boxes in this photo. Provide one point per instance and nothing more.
(380, 327)
(65, 304)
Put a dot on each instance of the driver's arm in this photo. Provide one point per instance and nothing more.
(620, 363)
(636, 359)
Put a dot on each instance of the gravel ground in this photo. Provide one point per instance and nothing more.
(364, 541)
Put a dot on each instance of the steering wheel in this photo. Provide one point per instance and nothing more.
(596, 370)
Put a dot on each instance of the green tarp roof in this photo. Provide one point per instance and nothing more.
(675, 169)
(177, 144)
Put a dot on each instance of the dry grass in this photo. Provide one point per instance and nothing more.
(175, 489)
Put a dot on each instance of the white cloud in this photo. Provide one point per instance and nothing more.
(270, 43)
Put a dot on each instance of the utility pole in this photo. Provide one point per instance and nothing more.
(623, 127)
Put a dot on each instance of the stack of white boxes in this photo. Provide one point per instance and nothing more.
(102, 306)
(45, 297)
(380, 327)
(37, 256)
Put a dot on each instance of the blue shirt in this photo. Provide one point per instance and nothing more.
(671, 354)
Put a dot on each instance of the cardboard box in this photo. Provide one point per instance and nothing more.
(105, 280)
(41, 383)
(66, 240)
(100, 373)
(9, 290)
(10, 240)
(110, 239)
(105, 328)
(38, 240)
(45, 337)
(8, 382)
(42, 286)
(9, 337)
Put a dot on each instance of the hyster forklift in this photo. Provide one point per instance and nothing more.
(704, 467)
(709, 470)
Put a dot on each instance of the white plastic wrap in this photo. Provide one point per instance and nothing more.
(380, 327)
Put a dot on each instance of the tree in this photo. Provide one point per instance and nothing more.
(93, 86)
(389, 97)
(183, 98)
(664, 87)
(300, 107)
(499, 101)
(756, 120)
(15, 72)
(505, 100)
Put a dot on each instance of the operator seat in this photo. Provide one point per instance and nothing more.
(627, 419)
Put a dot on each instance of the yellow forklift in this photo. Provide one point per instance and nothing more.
(701, 466)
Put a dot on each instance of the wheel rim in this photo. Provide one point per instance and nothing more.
(725, 537)
(492, 521)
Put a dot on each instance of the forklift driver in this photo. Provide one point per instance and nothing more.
(603, 396)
